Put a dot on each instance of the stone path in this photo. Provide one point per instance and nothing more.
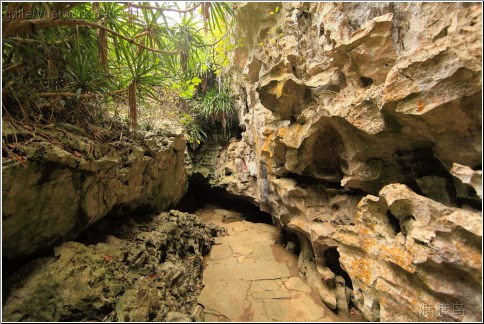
(250, 278)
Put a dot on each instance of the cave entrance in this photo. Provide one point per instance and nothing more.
(201, 195)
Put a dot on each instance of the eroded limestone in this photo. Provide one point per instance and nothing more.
(351, 101)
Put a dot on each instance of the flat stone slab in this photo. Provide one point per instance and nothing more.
(295, 283)
(306, 307)
(263, 285)
(271, 294)
(241, 249)
(220, 252)
(247, 272)
(300, 307)
(278, 310)
(225, 298)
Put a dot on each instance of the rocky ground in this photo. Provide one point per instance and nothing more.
(249, 277)
(147, 269)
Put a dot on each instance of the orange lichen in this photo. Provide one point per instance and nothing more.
(362, 270)
(420, 105)
(398, 256)
(366, 243)
(472, 258)
(266, 147)
(282, 132)
(359, 216)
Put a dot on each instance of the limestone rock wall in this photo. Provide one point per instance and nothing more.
(363, 136)
(70, 182)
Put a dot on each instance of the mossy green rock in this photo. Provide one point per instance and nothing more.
(71, 182)
(148, 271)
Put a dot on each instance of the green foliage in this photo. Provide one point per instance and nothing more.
(215, 111)
(196, 134)
(217, 15)
(215, 105)
(95, 51)
(81, 72)
(275, 11)
(186, 89)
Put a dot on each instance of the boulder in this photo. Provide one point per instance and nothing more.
(71, 182)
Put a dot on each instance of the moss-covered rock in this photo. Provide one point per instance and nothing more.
(149, 270)
(71, 181)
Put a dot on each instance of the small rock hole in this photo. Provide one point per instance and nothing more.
(394, 222)
(366, 81)
(331, 260)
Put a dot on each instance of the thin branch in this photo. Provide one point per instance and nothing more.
(13, 66)
(162, 8)
(36, 24)
(218, 41)
(74, 95)
(140, 34)
(26, 40)
(38, 41)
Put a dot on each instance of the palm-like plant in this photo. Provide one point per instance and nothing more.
(97, 50)
(216, 111)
